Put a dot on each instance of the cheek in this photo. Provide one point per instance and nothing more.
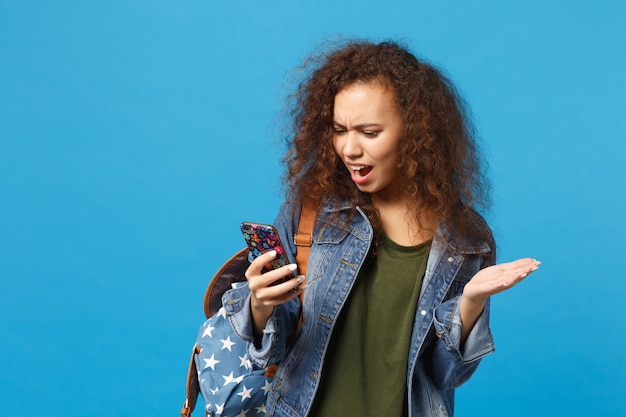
(389, 158)
(393, 150)
(337, 145)
(385, 152)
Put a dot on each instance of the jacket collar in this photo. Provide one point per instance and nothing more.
(459, 243)
(444, 235)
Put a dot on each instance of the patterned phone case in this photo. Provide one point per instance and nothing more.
(262, 238)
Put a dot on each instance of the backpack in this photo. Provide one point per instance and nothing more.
(219, 368)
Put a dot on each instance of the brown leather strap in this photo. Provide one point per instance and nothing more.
(193, 386)
(303, 238)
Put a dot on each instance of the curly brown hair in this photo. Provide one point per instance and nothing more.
(440, 162)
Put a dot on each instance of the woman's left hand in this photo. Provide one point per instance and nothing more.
(498, 278)
(487, 282)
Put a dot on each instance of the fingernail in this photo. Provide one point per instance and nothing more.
(534, 269)
(272, 253)
(292, 267)
(300, 278)
(523, 275)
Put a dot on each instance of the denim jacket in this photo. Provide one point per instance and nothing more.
(437, 364)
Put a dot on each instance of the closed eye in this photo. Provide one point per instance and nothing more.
(370, 133)
(339, 129)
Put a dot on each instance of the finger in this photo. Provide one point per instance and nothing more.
(280, 293)
(275, 276)
(516, 268)
(281, 299)
(521, 272)
(278, 289)
(272, 278)
(519, 263)
(256, 266)
(525, 268)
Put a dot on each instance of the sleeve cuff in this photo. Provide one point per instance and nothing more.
(447, 322)
(236, 302)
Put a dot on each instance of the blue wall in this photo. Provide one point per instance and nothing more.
(135, 136)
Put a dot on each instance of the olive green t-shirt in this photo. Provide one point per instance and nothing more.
(366, 364)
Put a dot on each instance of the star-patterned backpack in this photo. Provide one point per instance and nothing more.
(220, 369)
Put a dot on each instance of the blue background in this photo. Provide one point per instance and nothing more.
(135, 135)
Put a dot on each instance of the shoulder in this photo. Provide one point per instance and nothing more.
(477, 239)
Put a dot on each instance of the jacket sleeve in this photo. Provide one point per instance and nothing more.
(451, 364)
(282, 323)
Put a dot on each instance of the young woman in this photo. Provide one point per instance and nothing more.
(396, 301)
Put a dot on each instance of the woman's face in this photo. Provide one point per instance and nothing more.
(366, 137)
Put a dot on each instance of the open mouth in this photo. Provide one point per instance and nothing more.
(361, 171)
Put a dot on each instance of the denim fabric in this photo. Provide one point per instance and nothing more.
(437, 364)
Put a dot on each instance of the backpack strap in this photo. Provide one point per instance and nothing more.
(303, 238)
(229, 272)
(193, 385)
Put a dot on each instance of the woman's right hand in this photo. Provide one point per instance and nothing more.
(265, 296)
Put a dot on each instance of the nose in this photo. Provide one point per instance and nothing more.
(352, 146)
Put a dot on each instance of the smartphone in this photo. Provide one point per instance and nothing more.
(262, 238)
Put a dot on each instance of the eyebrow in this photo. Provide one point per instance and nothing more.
(360, 126)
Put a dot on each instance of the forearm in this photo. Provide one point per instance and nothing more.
(260, 316)
(469, 310)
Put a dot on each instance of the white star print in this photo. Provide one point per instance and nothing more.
(267, 387)
(245, 362)
(245, 393)
(208, 331)
(213, 339)
(211, 362)
(227, 344)
(229, 378)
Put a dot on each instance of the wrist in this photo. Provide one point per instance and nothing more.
(260, 315)
(472, 303)
(469, 309)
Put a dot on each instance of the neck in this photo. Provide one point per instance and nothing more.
(402, 225)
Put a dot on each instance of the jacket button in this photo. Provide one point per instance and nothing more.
(423, 312)
(450, 259)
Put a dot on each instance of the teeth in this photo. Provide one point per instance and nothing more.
(358, 170)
